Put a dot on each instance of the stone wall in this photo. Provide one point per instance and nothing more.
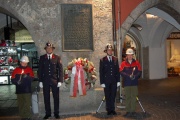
(42, 18)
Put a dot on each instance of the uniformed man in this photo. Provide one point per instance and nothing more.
(109, 78)
(50, 74)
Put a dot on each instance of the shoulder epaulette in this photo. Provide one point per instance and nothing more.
(103, 58)
(115, 58)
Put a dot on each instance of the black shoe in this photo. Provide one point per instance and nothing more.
(56, 116)
(134, 114)
(108, 112)
(113, 112)
(46, 116)
(128, 114)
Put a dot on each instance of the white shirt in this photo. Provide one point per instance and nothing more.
(130, 61)
(49, 55)
(109, 58)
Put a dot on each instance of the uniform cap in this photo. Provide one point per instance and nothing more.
(48, 44)
(24, 59)
(129, 51)
(108, 46)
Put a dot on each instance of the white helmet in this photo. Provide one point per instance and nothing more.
(24, 59)
(129, 51)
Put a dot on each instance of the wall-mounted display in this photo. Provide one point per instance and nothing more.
(8, 62)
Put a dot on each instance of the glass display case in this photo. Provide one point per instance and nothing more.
(8, 62)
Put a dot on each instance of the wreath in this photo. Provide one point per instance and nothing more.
(89, 71)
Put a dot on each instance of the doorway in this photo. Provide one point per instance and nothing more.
(15, 42)
(173, 54)
(131, 42)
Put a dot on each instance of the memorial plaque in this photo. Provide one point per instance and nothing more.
(77, 27)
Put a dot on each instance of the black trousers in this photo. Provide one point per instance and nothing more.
(55, 93)
(110, 95)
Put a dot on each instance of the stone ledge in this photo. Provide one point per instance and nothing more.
(78, 105)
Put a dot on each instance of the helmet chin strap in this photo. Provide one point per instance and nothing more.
(49, 53)
(109, 54)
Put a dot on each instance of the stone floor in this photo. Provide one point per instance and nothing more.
(159, 98)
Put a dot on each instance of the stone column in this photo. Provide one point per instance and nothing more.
(145, 63)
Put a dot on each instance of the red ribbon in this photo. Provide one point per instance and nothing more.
(66, 76)
(75, 87)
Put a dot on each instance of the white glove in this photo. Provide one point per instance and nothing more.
(103, 85)
(59, 84)
(118, 84)
(40, 85)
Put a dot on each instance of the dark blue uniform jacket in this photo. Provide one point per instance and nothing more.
(109, 71)
(50, 72)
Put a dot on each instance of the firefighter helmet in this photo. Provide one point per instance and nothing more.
(108, 46)
(48, 44)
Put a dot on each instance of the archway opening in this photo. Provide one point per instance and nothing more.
(173, 54)
(131, 42)
(15, 42)
(156, 25)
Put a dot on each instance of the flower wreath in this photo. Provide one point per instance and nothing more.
(90, 71)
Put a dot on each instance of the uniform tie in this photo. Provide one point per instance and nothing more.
(49, 57)
(110, 59)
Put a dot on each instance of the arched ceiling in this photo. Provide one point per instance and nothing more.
(169, 10)
(164, 15)
(156, 29)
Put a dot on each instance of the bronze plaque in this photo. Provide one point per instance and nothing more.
(77, 27)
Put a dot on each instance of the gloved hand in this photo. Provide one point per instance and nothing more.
(132, 77)
(59, 84)
(118, 84)
(40, 84)
(103, 85)
(19, 82)
(24, 75)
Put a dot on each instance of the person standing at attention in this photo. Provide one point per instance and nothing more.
(109, 78)
(50, 75)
